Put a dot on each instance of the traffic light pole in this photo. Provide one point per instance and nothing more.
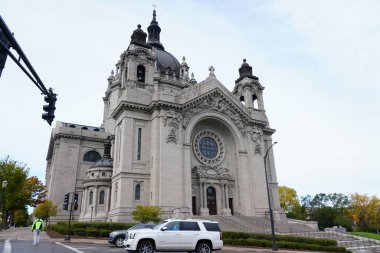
(72, 203)
(7, 40)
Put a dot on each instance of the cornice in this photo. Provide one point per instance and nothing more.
(79, 137)
(269, 131)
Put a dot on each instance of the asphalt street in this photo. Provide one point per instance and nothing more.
(26, 246)
(20, 240)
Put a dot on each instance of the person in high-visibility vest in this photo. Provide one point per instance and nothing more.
(37, 228)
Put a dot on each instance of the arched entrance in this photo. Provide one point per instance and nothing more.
(211, 200)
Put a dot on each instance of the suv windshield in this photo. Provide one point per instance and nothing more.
(159, 224)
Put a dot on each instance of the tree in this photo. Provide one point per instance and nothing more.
(21, 191)
(328, 209)
(16, 175)
(145, 214)
(365, 211)
(46, 209)
(21, 217)
(288, 198)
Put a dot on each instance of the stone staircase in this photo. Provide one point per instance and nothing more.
(354, 243)
(238, 222)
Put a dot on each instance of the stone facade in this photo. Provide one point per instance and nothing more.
(190, 148)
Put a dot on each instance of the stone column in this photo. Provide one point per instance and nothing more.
(228, 203)
(222, 195)
(95, 201)
(204, 209)
(201, 193)
(226, 209)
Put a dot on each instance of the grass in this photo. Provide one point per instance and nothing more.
(367, 235)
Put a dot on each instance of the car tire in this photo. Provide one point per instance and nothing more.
(119, 241)
(203, 247)
(145, 246)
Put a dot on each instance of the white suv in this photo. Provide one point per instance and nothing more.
(201, 236)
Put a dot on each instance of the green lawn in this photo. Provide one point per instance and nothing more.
(368, 235)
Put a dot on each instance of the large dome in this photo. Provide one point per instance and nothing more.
(166, 61)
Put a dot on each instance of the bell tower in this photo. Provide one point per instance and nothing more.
(248, 90)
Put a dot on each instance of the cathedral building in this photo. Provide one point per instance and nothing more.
(191, 148)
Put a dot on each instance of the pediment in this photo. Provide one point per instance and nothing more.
(213, 96)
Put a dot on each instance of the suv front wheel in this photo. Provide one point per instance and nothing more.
(119, 241)
(203, 247)
(145, 246)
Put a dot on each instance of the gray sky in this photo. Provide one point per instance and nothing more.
(319, 62)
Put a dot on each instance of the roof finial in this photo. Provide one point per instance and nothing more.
(154, 12)
(212, 70)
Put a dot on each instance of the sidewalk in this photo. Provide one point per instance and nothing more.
(27, 235)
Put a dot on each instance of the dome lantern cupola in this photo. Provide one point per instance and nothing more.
(246, 71)
(154, 33)
(139, 37)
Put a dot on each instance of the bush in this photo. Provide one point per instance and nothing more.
(261, 236)
(104, 232)
(92, 232)
(283, 241)
(92, 229)
(79, 231)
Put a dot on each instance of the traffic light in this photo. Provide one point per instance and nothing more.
(50, 107)
(3, 52)
(66, 202)
(75, 201)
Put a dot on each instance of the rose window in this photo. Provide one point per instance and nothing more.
(208, 147)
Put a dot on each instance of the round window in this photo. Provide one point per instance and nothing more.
(208, 147)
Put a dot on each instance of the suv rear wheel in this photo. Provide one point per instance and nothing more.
(203, 247)
(119, 241)
(145, 246)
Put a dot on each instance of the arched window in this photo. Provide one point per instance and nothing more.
(137, 192)
(141, 73)
(91, 197)
(91, 156)
(242, 100)
(101, 198)
(254, 101)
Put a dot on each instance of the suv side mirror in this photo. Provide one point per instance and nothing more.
(164, 228)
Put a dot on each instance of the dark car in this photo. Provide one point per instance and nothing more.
(117, 237)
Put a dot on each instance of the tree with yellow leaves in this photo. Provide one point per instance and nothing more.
(365, 212)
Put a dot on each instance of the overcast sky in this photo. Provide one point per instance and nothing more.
(319, 62)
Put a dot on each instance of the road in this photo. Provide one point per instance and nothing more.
(26, 246)
(20, 240)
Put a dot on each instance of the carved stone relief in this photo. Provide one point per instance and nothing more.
(204, 171)
(256, 137)
(215, 103)
(172, 120)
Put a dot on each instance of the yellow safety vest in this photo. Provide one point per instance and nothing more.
(37, 224)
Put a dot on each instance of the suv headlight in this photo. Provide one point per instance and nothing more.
(112, 234)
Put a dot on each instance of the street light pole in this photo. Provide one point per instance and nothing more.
(3, 186)
(274, 245)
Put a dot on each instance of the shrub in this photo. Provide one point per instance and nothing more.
(79, 231)
(92, 232)
(104, 232)
(261, 236)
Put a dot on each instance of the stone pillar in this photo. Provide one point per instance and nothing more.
(222, 195)
(228, 203)
(204, 209)
(186, 178)
(260, 101)
(226, 209)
